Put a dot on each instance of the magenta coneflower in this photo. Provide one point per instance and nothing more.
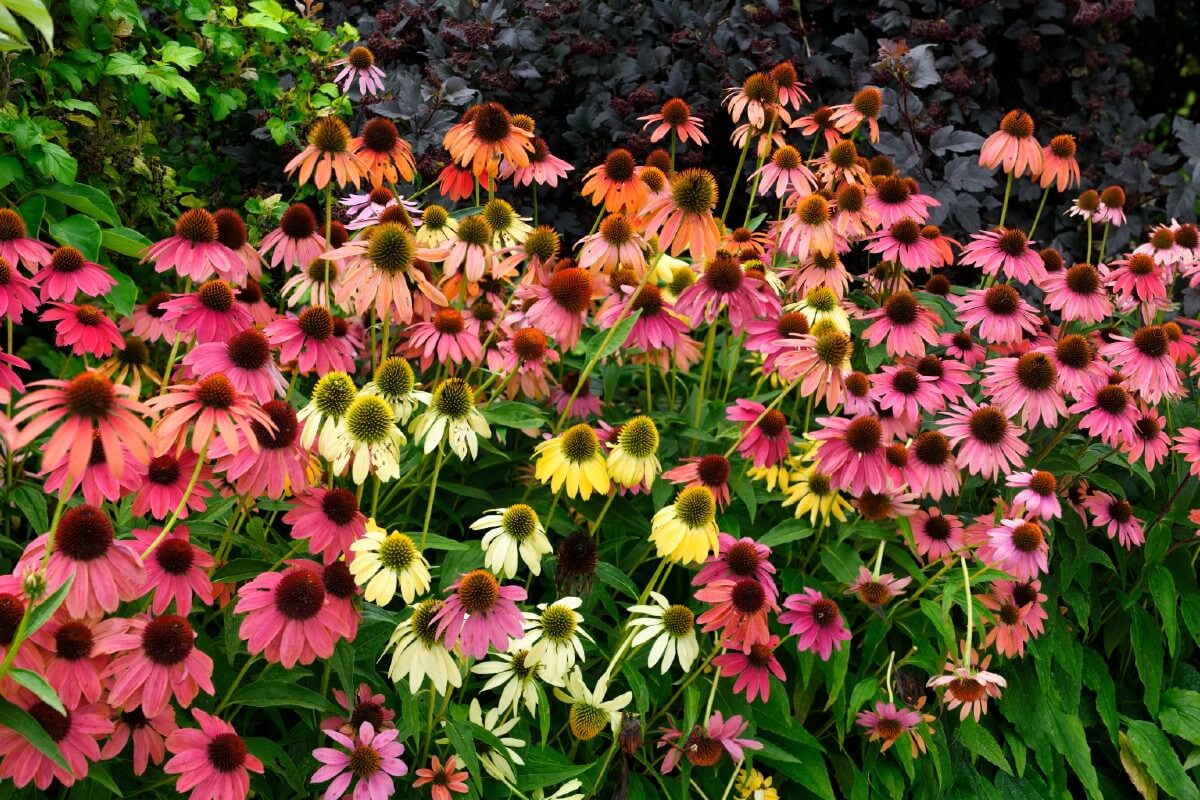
(210, 406)
(149, 735)
(1149, 441)
(1013, 146)
(852, 452)
(155, 660)
(999, 312)
(371, 757)
(1187, 444)
(296, 242)
(194, 250)
(1028, 385)
(752, 670)
(707, 743)
(1019, 547)
(1080, 369)
(309, 340)
(896, 198)
(447, 337)
(1039, 493)
(244, 358)
(148, 321)
(1108, 412)
(1139, 277)
(480, 612)
(888, 723)
(738, 559)
(765, 441)
(68, 273)
(1144, 360)
(15, 295)
(740, 610)
(1078, 293)
(76, 736)
(903, 242)
(84, 328)
(359, 65)
(164, 482)
(772, 336)
(562, 304)
(1116, 517)
(711, 472)
(212, 312)
(289, 617)
(821, 363)
(107, 572)
(936, 536)
(656, 329)
(16, 247)
(816, 622)
(175, 571)
(99, 482)
(725, 285)
(74, 658)
(211, 762)
(988, 442)
(904, 391)
(329, 519)
(786, 172)
(949, 378)
(279, 463)
(932, 470)
(1004, 251)
(586, 404)
(904, 325)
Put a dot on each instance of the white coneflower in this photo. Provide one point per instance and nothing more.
(508, 228)
(686, 531)
(672, 628)
(385, 562)
(515, 674)
(634, 457)
(571, 790)
(553, 636)
(437, 226)
(418, 652)
(396, 383)
(822, 303)
(368, 439)
(512, 532)
(452, 414)
(495, 762)
(331, 399)
(590, 713)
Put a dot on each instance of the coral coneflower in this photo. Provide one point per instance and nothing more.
(277, 466)
(210, 406)
(711, 472)
(724, 285)
(617, 242)
(1014, 147)
(903, 324)
(296, 242)
(562, 304)
(149, 735)
(865, 106)
(969, 686)
(752, 670)
(888, 724)
(765, 438)
(786, 171)
(755, 98)
(309, 340)
(1059, 167)
(212, 761)
(1018, 546)
(739, 609)
(289, 617)
(448, 338)
(156, 660)
(1116, 517)
(1140, 277)
(988, 442)
(683, 219)
(15, 295)
(1039, 493)
(1112, 206)
(382, 270)
(1079, 293)
(16, 247)
(1149, 441)
(443, 778)
(616, 184)
(486, 135)
(383, 153)
(675, 117)
(708, 742)
(327, 156)
(69, 273)
(195, 249)
(851, 452)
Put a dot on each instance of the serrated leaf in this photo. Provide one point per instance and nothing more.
(181, 55)
(980, 742)
(18, 719)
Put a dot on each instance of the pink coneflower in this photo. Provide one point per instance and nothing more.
(15, 295)
(155, 660)
(586, 404)
(791, 90)
(896, 198)
(232, 233)
(765, 441)
(888, 723)
(738, 559)
(1187, 444)
(211, 406)
(816, 622)
(617, 242)
(904, 391)
(1149, 440)
(1004, 251)
(1078, 364)
(891, 503)
(877, 590)
(857, 398)
(705, 745)
(365, 209)
(107, 572)
(1018, 546)
(962, 347)
(1108, 412)
(73, 656)
(752, 670)
(1028, 597)
(822, 364)
(903, 324)
(16, 247)
(373, 758)
(76, 736)
(212, 312)
(711, 472)
(818, 269)
(562, 304)
(1014, 147)
(949, 379)
(68, 273)
(755, 98)
(988, 442)
(675, 117)
(851, 452)
(1086, 206)
(936, 536)
(931, 470)
(544, 168)
(657, 329)
(1144, 360)
(296, 242)
(245, 359)
(682, 219)
(382, 270)
(725, 285)
(1078, 293)
(99, 482)
(164, 482)
(329, 519)
(212, 762)
(1059, 167)
(808, 230)
(969, 687)
(772, 336)
(1000, 313)
(327, 156)
(480, 612)
(1112, 206)
(471, 249)
(448, 338)
(10, 381)
(851, 219)
(309, 340)
(289, 617)
(841, 166)
(1162, 248)
(84, 328)
(740, 610)
(279, 463)
(820, 121)
(1039, 493)
(149, 737)
(865, 106)
(903, 242)
(1140, 277)
(359, 65)
(367, 706)
(442, 779)
(1116, 517)
(175, 571)
(1028, 385)
(148, 321)
(786, 172)
(526, 356)
(194, 250)
(1008, 631)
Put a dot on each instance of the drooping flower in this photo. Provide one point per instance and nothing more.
(877, 590)
(418, 652)
(310, 341)
(1144, 361)
(552, 635)
(16, 297)
(888, 724)
(296, 242)
(1004, 251)
(210, 407)
(851, 452)
(672, 630)
(1014, 147)
(903, 324)
(327, 156)
(1019, 547)
(1108, 413)
(969, 686)
(245, 359)
(988, 441)
(194, 250)
(84, 328)
(544, 168)
(368, 441)
(73, 656)
(1039, 493)
(212, 761)
(69, 273)
(452, 416)
(573, 459)
(149, 735)
(740, 610)
(562, 304)
(706, 744)
(1059, 167)
(1117, 519)
(937, 536)
(1028, 385)
(816, 622)
(1079, 293)
(211, 313)
(329, 519)
(16, 248)
(386, 562)
(686, 531)
(590, 712)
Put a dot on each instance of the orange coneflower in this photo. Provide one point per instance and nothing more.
(864, 106)
(683, 220)
(758, 94)
(328, 155)
(841, 165)
(819, 121)
(791, 90)
(485, 135)
(616, 183)
(384, 154)
(675, 116)
(457, 183)
(1059, 166)
(1013, 146)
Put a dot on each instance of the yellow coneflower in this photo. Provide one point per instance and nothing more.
(387, 561)
(573, 458)
(686, 531)
(812, 493)
(634, 457)
(132, 362)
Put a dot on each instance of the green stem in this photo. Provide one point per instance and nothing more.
(879, 558)
(891, 664)
(1103, 244)
(600, 516)
(162, 535)
(1038, 215)
(758, 176)
(233, 686)
(672, 151)
(437, 467)
(328, 236)
(710, 345)
(1007, 192)
(1088, 252)
(733, 777)
(970, 612)
(535, 205)
(613, 748)
(737, 176)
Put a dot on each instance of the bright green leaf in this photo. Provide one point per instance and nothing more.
(78, 231)
(1154, 750)
(37, 684)
(17, 719)
(86, 199)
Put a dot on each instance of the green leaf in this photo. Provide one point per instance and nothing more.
(509, 414)
(124, 295)
(545, 768)
(45, 610)
(241, 569)
(1153, 749)
(277, 760)
(980, 742)
(1147, 656)
(435, 541)
(1162, 589)
(87, 199)
(78, 231)
(33, 505)
(35, 12)
(17, 719)
(790, 530)
(98, 772)
(604, 343)
(256, 20)
(33, 209)
(464, 745)
(802, 764)
(272, 694)
(10, 170)
(343, 665)
(37, 684)
(1068, 738)
(1098, 679)
(181, 55)
(124, 64)
(53, 161)
(612, 576)
(1179, 714)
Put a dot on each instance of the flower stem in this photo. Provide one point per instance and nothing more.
(1038, 215)
(437, 467)
(891, 663)
(733, 777)
(758, 176)
(970, 612)
(535, 205)
(237, 679)
(879, 558)
(162, 535)
(1007, 192)
(672, 152)
(329, 235)
(166, 376)
(737, 176)
(1088, 252)
(600, 516)
(1103, 244)
(710, 345)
